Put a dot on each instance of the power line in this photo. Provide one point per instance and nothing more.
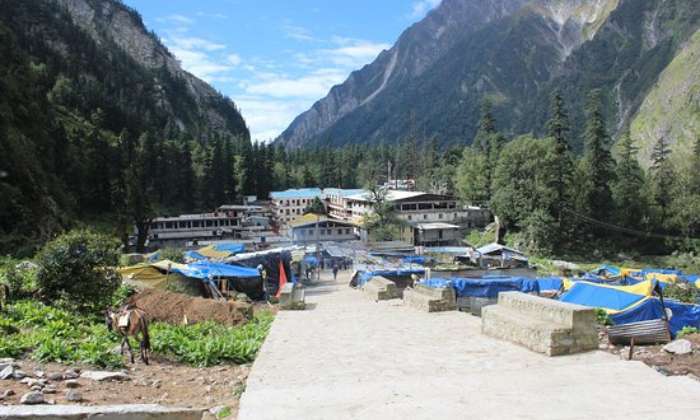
(624, 229)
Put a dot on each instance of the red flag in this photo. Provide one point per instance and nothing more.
(283, 280)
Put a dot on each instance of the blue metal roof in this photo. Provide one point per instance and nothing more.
(293, 193)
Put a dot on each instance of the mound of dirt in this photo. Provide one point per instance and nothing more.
(174, 307)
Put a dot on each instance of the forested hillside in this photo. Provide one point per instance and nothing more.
(88, 128)
(514, 53)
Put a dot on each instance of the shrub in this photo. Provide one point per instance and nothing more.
(686, 331)
(76, 270)
(683, 291)
(602, 317)
(172, 254)
(20, 278)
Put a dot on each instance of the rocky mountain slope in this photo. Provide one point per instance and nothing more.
(85, 89)
(511, 52)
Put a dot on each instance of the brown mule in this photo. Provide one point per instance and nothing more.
(130, 321)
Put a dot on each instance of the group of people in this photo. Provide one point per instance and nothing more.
(334, 265)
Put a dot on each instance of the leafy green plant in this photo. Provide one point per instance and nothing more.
(683, 291)
(121, 294)
(211, 343)
(602, 317)
(11, 346)
(54, 349)
(686, 331)
(172, 254)
(7, 326)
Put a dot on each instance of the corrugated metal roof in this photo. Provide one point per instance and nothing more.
(296, 193)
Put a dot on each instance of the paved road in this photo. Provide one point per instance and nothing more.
(348, 357)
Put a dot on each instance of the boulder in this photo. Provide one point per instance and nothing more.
(681, 346)
(34, 397)
(74, 396)
(8, 372)
(104, 376)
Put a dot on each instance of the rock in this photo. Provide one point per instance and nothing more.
(8, 372)
(663, 370)
(695, 377)
(104, 376)
(208, 389)
(36, 387)
(116, 349)
(156, 384)
(51, 402)
(6, 360)
(8, 393)
(19, 374)
(34, 397)
(74, 396)
(39, 373)
(71, 383)
(70, 375)
(32, 382)
(56, 376)
(681, 346)
(49, 389)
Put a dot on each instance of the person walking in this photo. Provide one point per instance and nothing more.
(335, 270)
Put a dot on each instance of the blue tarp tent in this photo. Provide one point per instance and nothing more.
(549, 283)
(208, 270)
(681, 314)
(582, 293)
(194, 255)
(485, 287)
(414, 259)
(366, 276)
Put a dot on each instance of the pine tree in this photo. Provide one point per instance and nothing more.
(628, 188)
(597, 165)
(662, 176)
(557, 127)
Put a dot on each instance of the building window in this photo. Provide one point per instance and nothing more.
(425, 217)
(440, 233)
(340, 231)
(440, 216)
(410, 217)
(347, 231)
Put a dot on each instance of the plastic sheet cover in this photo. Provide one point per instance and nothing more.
(596, 296)
(485, 287)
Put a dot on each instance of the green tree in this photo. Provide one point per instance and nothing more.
(662, 176)
(76, 269)
(628, 188)
(382, 223)
(522, 184)
(316, 207)
(472, 182)
(558, 127)
(596, 166)
(138, 198)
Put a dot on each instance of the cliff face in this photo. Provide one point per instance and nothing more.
(109, 21)
(512, 52)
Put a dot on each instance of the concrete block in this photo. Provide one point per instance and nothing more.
(542, 325)
(292, 297)
(103, 412)
(430, 299)
(379, 288)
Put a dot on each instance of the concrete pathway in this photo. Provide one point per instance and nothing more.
(348, 357)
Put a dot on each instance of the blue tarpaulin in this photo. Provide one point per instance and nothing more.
(231, 247)
(414, 259)
(681, 314)
(486, 287)
(549, 283)
(582, 293)
(208, 270)
(194, 255)
(366, 276)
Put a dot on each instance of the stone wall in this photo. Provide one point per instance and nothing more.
(430, 299)
(379, 288)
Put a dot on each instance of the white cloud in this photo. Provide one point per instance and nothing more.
(181, 19)
(297, 32)
(234, 59)
(421, 8)
(212, 15)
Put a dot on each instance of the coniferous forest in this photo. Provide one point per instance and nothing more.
(85, 139)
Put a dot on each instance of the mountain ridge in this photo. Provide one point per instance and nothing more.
(516, 58)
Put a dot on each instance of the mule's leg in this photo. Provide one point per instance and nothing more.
(144, 352)
(128, 346)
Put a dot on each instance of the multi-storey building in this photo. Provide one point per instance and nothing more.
(337, 202)
(289, 205)
(431, 219)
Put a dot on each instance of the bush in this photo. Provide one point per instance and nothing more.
(683, 291)
(540, 232)
(76, 270)
(172, 254)
(686, 331)
(20, 277)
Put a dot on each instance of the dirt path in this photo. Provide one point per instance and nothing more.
(348, 357)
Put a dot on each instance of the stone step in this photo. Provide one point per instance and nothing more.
(417, 299)
(541, 336)
(379, 288)
(574, 316)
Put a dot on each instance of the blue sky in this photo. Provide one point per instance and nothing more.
(275, 58)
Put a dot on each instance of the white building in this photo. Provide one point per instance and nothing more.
(311, 229)
(337, 202)
(290, 204)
